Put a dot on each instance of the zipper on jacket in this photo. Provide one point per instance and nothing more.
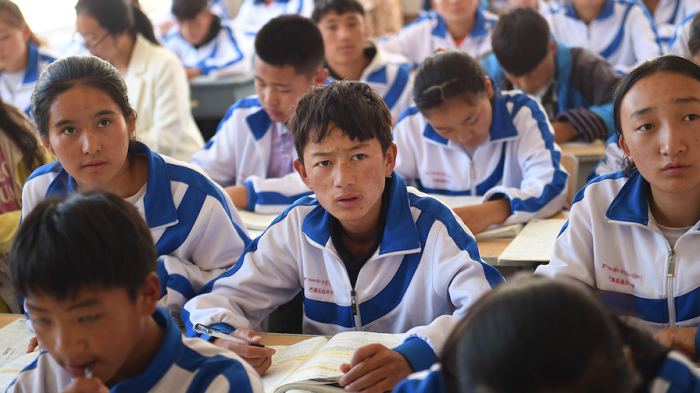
(669, 289)
(355, 311)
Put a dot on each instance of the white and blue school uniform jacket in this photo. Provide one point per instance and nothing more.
(424, 36)
(519, 159)
(394, 82)
(181, 365)
(424, 277)
(220, 9)
(611, 243)
(676, 375)
(195, 226)
(239, 154)
(668, 14)
(226, 54)
(21, 96)
(679, 43)
(254, 14)
(614, 159)
(624, 33)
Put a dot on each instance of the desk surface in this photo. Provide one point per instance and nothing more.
(585, 152)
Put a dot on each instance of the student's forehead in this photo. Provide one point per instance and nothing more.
(281, 75)
(337, 141)
(94, 295)
(333, 16)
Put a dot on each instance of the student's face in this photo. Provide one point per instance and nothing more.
(90, 137)
(587, 3)
(347, 176)
(13, 47)
(660, 121)
(195, 31)
(279, 87)
(456, 11)
(535, 80)
(97, 39)
(462, 122)
(344, 37)
(102, 327)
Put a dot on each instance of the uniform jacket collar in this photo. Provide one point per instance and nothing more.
(138, 64)
(605, 13)
(479, 29)
(31, 73)
(400, 232)
(158, 201)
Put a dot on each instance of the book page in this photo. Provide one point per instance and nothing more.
(14, 340)
(287, 359)
(535, 242)
(256, 221)
(324, 366)
(499, 232)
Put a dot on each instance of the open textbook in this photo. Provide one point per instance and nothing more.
(14, 340)
(314, 364)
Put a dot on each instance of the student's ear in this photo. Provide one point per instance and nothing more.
(488, 86)
(553, 47)
(26, 33)
(149, 294)
(47, 145)
(131, 123)
(321, 77)
(625, 149)
(302, 172)
(390, 160)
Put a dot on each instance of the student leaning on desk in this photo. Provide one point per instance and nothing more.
(367, 252)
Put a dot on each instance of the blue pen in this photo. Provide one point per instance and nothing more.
(214, 332)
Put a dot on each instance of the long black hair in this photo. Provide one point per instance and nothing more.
(118, 16)
(21, 135)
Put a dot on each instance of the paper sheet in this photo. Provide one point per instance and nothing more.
(286, 359)
(457, 201)
(535, 242)
(256, 221)
(10, 371)
(15, 336)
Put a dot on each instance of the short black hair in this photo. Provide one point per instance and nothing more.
(694, 36)
(340, 7)
(188, 9)
(352, 107)
(521, 40)
(95, 240)
(445, 75)
(291, 40)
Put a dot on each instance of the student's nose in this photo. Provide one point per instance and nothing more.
(672, 140)
(68, 341)
(91, 143)
(344, 175)
(270, 97)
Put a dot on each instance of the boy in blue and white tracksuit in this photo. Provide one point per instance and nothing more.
(196, 229)
(254, 14)
(428, 33)
(519, 159)
(19, 94)
(669, 14)
(623, 33)
(613, 244)
(180, 365)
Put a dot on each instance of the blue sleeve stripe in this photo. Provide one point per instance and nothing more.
(418, 354)
(329, 313)
(687, 305)
(245, 103)
(216, 366)
(650, 310)
(615, 44)
(397, 89)
(680, 378)
(181, 285)
(275, 198)
(187, 214)
(163, 276)
(406, 113)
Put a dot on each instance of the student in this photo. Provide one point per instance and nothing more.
(23, 57)
(99, 322)
(466, 137)
(575, 86)
(350, 56)
(620, 31)
(254, 14)
(668, 14)
(368, 253)
(504, 331)
(454, 24)
(121, 34)
(205, 44)
(20, 153)
(84, 118)
(633, 234)
(686, 40)
(252, 152)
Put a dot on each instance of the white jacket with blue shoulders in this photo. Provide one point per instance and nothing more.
(428, 33)
(425, 275)
(519, 159)
(195, 226)
(611, 243)
(239, 154)
(20, 96)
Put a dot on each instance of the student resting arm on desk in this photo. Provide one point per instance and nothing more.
(368, 253)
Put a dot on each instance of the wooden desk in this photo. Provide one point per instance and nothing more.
(6, 319)
(588, 156)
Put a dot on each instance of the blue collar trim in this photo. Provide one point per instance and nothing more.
(400, 232)
(502, 126)
(31, 73)
(430, 133)
(479, 29)
(630, 204)
(440, 30)
(259, 122)
(606, 12)
(378, 76)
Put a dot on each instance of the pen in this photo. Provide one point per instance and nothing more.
(88, 371)
(214, 332)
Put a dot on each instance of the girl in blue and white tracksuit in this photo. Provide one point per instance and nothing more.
(196, 229)
(633, 234)
(623, 33)
(429, 33)
(511, 154)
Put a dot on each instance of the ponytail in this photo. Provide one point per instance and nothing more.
(143, 25)
(118, 16)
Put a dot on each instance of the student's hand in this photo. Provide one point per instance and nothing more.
(259, 358)
(374, 368)
(193, 72)
(239, 196)
(85, 385)
(479, 217)
(33, 343)
(564, 131)
(679, 339)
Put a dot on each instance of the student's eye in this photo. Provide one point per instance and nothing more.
(39, 322)
(104, 123)
(690, 117)
(284, 91)
(5, 37)
(323, 163)
(89, 318)
(69, 131)
(645, 127)
(332, 27)
(359, 157)
(353, 24)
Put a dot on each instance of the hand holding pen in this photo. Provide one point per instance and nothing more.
(245, 343)
(86, 384)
